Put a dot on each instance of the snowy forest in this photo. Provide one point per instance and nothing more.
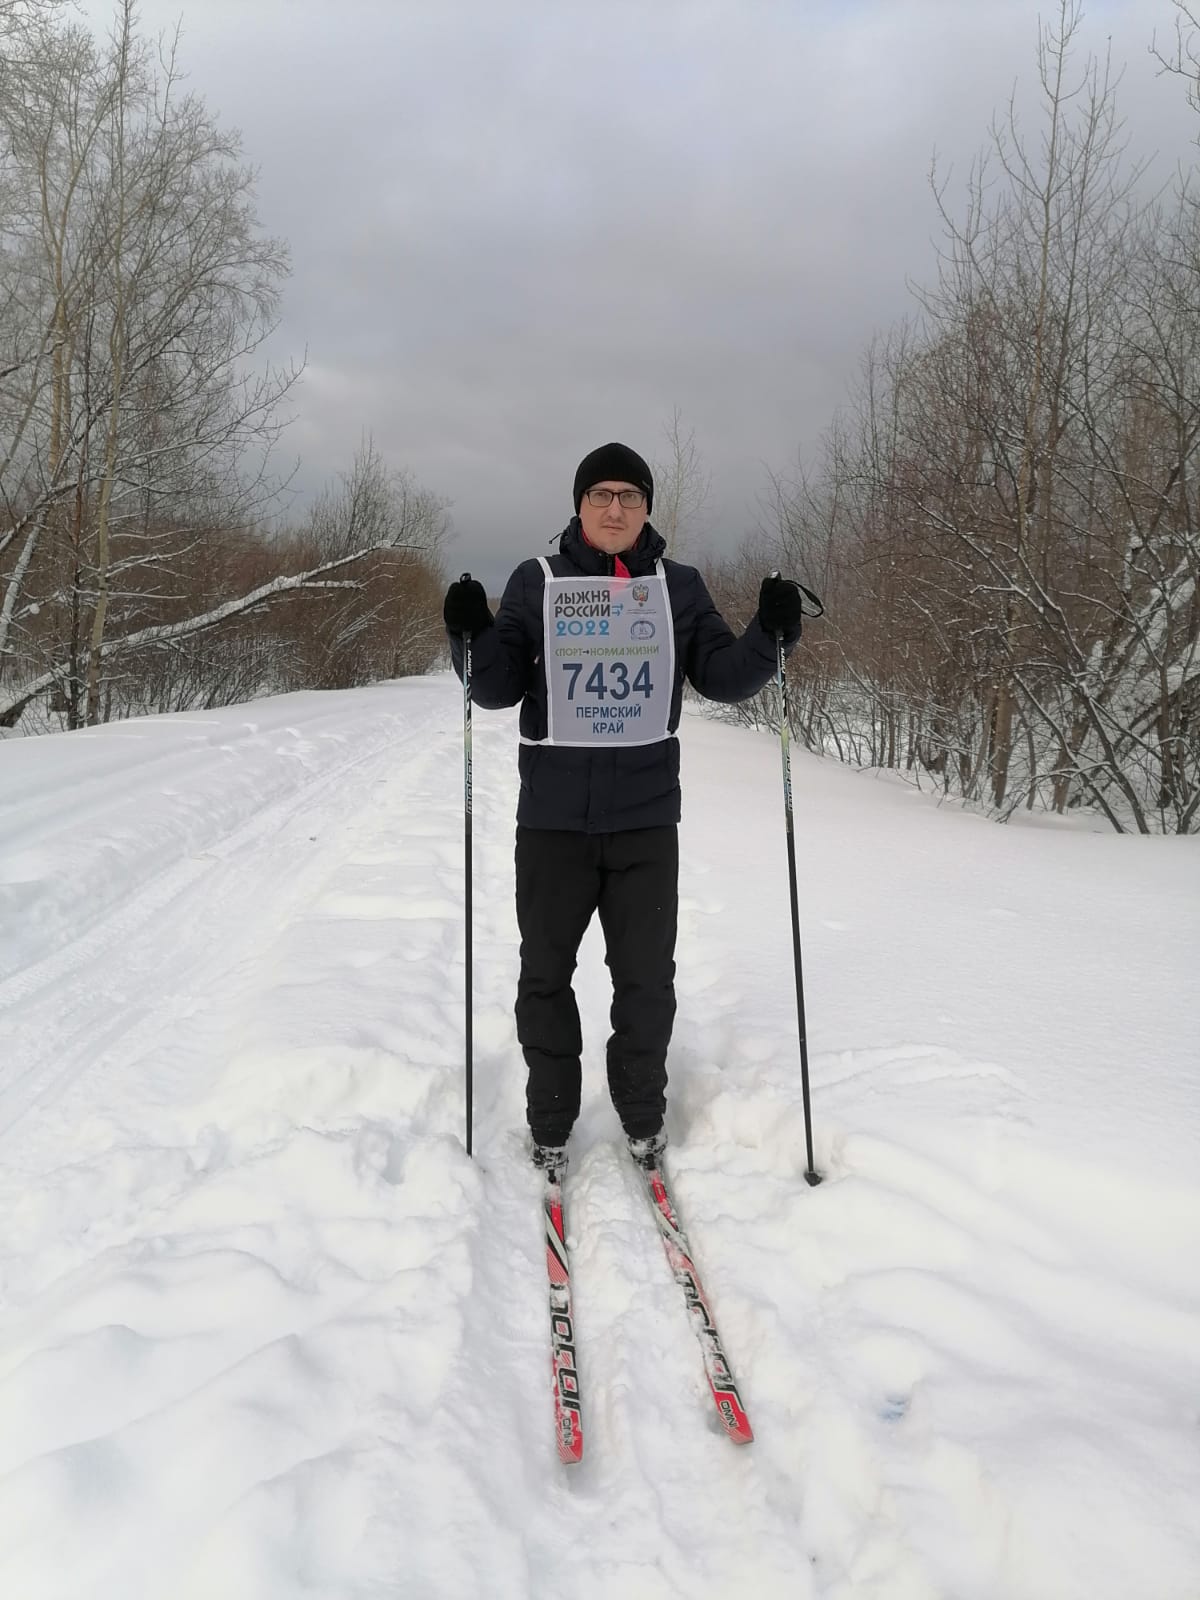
(1003, 517)
(147, 558)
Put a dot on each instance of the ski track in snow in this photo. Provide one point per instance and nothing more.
(266, 1331)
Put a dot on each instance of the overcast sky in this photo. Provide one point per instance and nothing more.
(521, 229)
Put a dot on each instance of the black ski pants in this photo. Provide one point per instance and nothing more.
(632, 879)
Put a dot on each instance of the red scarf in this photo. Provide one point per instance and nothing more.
(620, 570)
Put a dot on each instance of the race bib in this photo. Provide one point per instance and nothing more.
(610, 659)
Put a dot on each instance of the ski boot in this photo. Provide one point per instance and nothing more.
(648, 1152)
(549, 1158)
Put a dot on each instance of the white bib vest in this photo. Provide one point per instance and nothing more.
(609, 659)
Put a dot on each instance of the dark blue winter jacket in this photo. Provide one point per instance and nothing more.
(611, 788)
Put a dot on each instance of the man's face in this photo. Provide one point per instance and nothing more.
(614, 527)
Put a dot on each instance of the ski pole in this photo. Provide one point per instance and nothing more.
(811, 1176)
(466, 578)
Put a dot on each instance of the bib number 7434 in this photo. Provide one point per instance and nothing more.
(609, 680)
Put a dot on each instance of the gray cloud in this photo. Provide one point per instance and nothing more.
(520, 230)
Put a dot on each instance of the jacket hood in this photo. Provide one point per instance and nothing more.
(597, 564)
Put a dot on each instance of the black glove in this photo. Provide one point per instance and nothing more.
(466, 607)
(780, 606)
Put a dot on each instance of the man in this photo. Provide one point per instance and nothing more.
(595, 642)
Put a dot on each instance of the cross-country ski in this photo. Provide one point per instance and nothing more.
(564, 1365)
(730, 1410)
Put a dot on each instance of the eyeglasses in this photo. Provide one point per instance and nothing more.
(631, 499)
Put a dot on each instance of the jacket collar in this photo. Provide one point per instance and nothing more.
(596, 564)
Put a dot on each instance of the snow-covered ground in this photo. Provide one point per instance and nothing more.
(267, 1333)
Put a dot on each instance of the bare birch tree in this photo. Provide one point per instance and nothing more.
(1184, 59)
(681, 488)
(135, 290)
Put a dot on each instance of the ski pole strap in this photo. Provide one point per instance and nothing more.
(808, 595)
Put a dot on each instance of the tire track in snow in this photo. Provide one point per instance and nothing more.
(320, 1160)
(80, 1008)
(254, 1173)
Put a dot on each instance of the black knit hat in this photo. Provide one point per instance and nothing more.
(616, 461)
